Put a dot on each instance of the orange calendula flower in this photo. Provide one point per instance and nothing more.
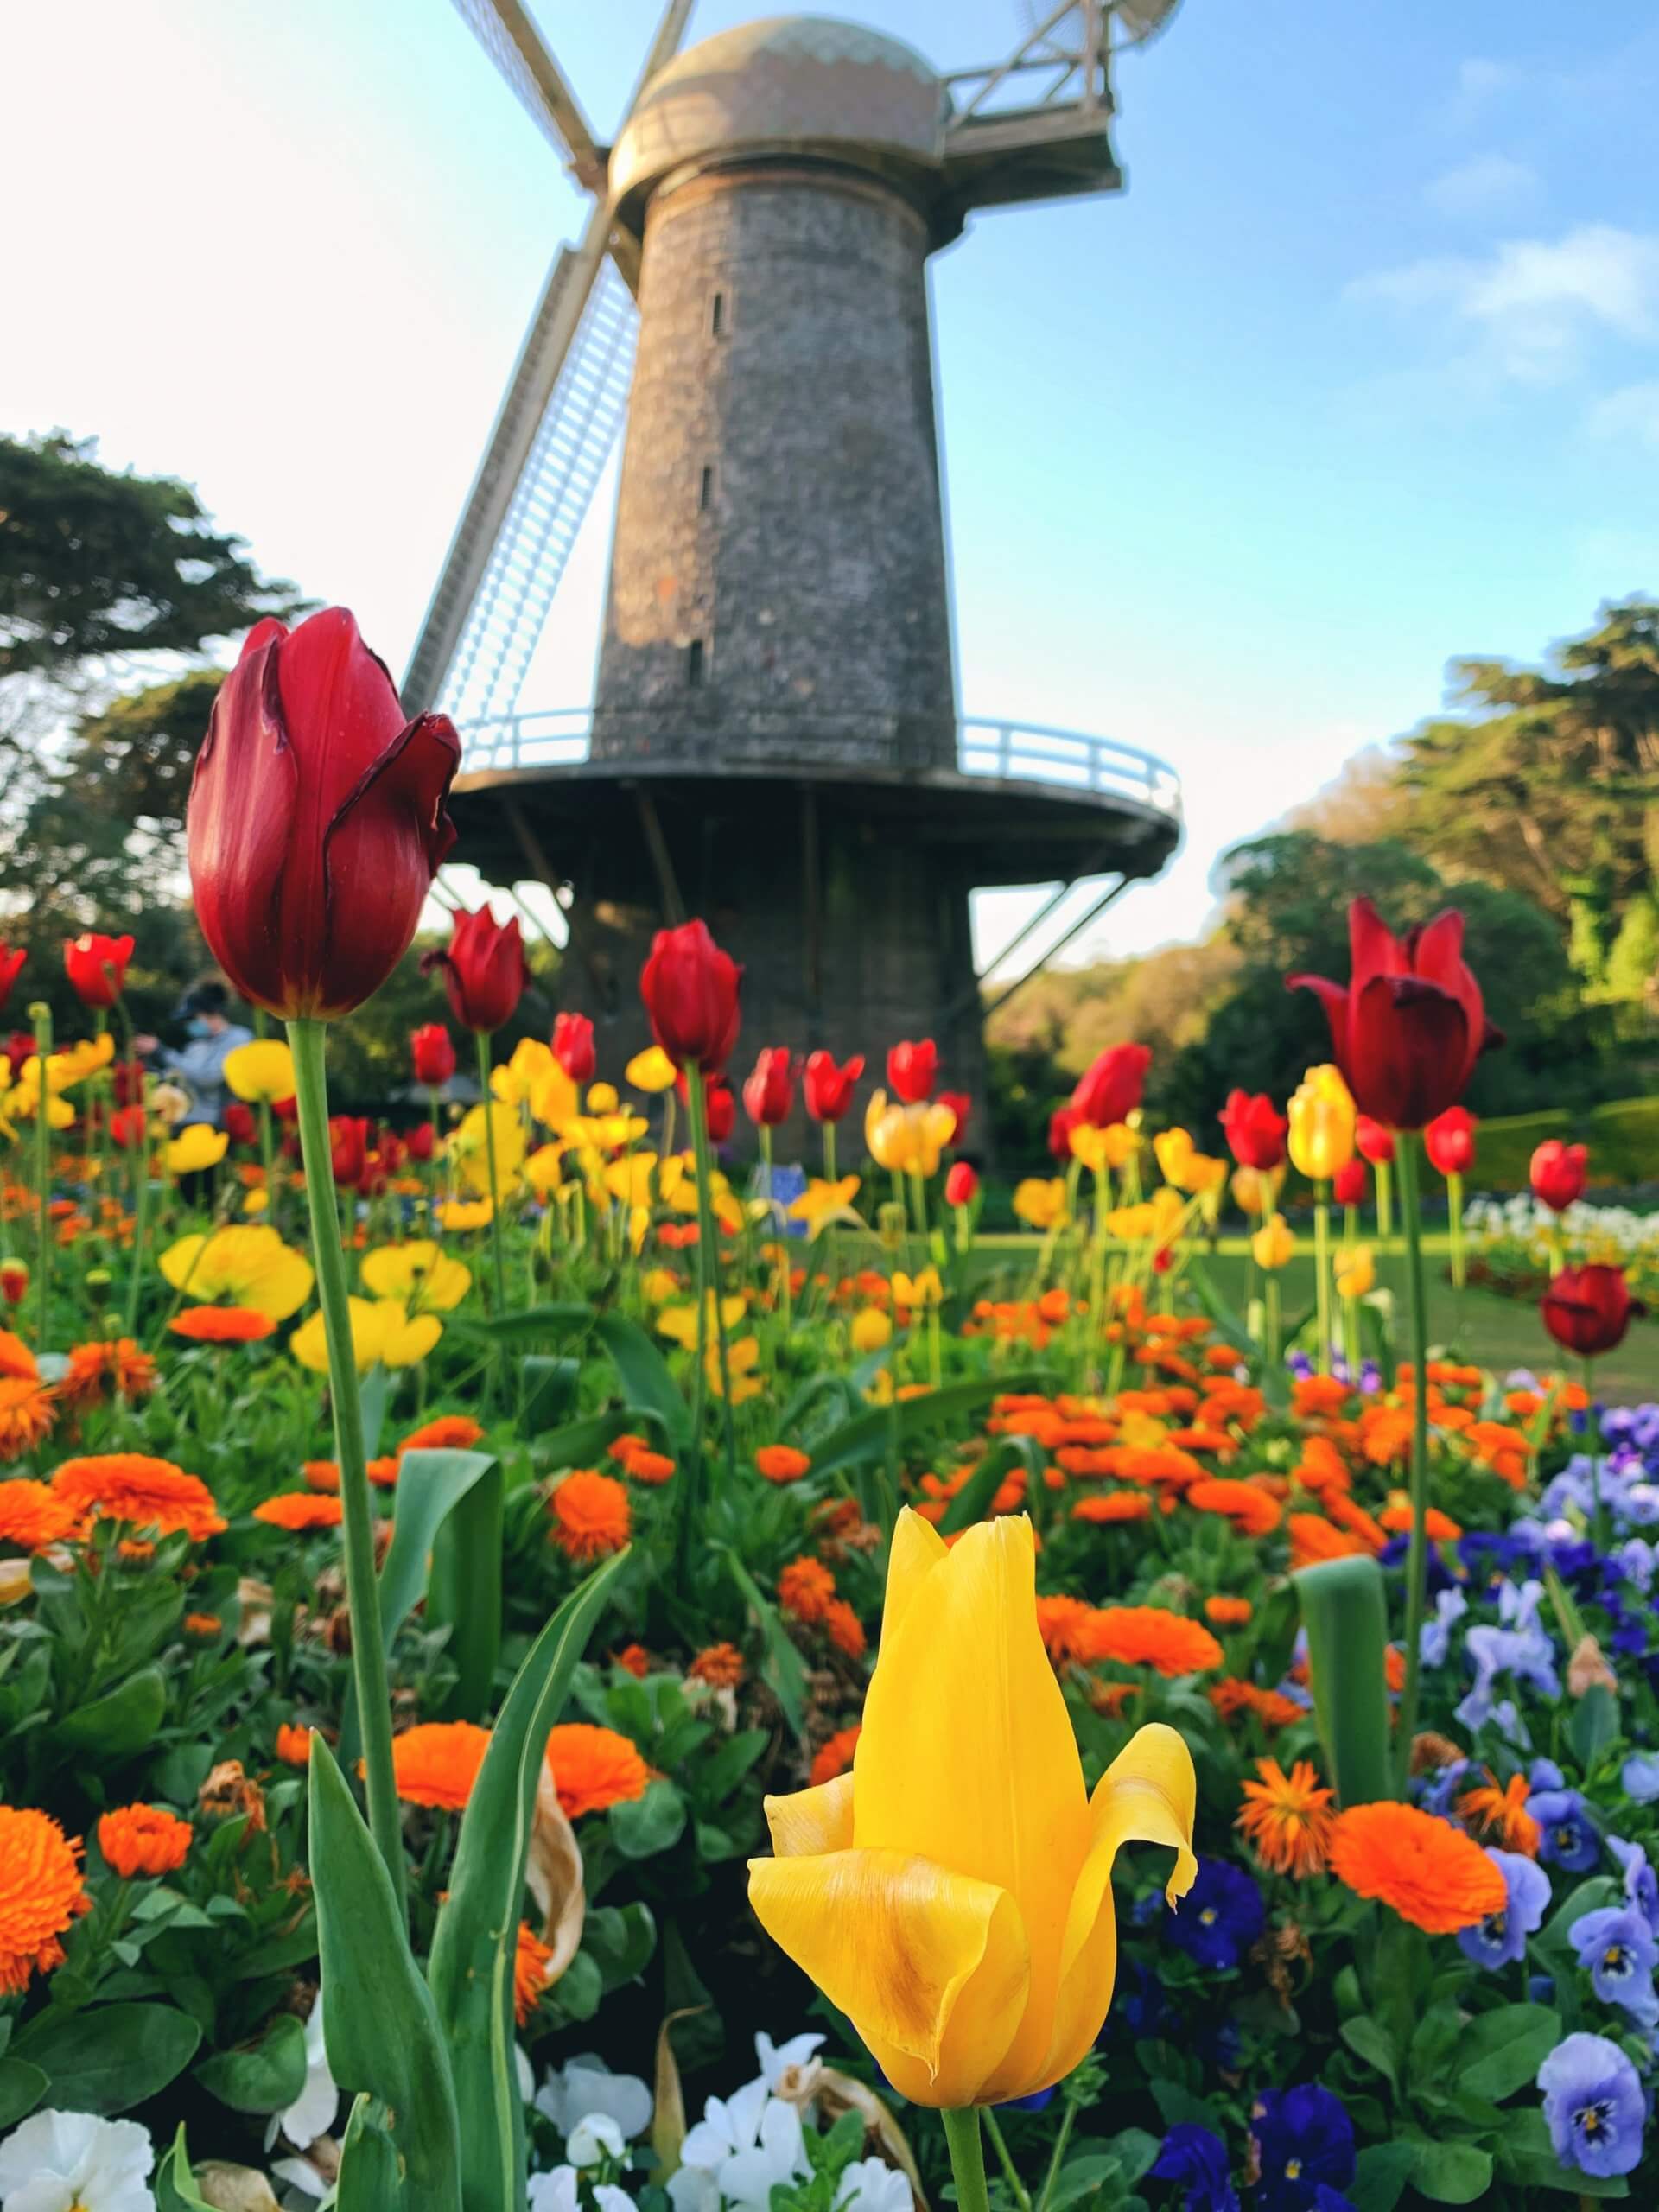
(143, 1839)
(1430, 1874)
(32, 1516)
(383, 1471)
(151, 1494)
(437, 1762)
(27, 1413)
(721, 1666)
(805, 1589)
(844, 1627)
(1288, 1818)
(294, 1745)
(1067, 1628)
(206, 1626)
(591, 1516)
(1110, 1506)
(1313, 1538)
(321, 1475)
(1440, 1528)
(1500, 1815)
(634, 1659)
(40, 1893)
(530, 1964)
(642, 1465)
(1272, 1708)
(221, 1324)
(835, 1757)
(1251, 1511)
(299, 1510)
(445, 1433)
(594, 1767)
(1148, 1636)
(782, 1463)
(119, 1367)
(16, 1360)
(1227, 1612)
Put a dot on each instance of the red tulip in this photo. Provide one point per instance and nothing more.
(1449, 1140)
(287, 1111)
(1410, 1023)
(1110, 1089)
(722, 1110)
(127, 1127)
(827, 1088)
(239, 1123)
(1374, 1141)
(419, 1140)
(690, 988)
(97, 967)
(961, 1184)
(14, 1282)
(1348, 1184)
(573, 1046)
(1558, 1173)
(484, 971)
(769, 1094)
(1253, 1131)
(10, 962)
(316, 818)
(390, 1152)
(432, 1052)
(961, 1106)
(349, 1144)
(1587, 1310)
(1061, 1123)
(912, 1070)
(20, 1046)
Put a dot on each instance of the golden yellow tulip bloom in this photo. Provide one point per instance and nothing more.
(553, 1098)
(1355, 1273)
(1255, 1189)
(543, 1170)
(602, 1098)
(1322, 1115)
(629, 1180)
(515, 1081)
(650, 1071)
(420, 1273)
(907, 1140)
(821, 1203)
(922, 1290)
(1272, 1243)
(680, 1322)
(1112, 1146)
(1038, 1203)
(1174, 1151)
(952, 1895)
(262, 1071)
(885, 1134)
(197, 1146)
(245, 1265)
(871, 1329)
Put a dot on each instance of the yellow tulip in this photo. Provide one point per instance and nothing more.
(262, 1071)
(922, 1290)
(1322, 1115)
(1256, 1188)
(886, 1134)
(742, 1358)
(553, 1098)
(246, 1265)
(952, 1895)
(420, 1273)
(1174, 1151)
(680, 1322)
(1355, 1273)
(1272, 1243)
(907, 1140)
(196, 1146)
(871, 1329)
(543, 1172)
(650, 1071)
(468, 1147)
(602, 1098)
(1040, 1204)
(629, 1180)
(821, 1203)
(658, 1284)
(515, 1081)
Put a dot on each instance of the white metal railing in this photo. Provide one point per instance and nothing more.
(1013, 752)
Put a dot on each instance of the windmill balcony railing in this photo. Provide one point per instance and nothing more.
(1011, 751)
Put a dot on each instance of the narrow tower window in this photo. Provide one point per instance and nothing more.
(717, 316)
(694, 662)
(705, 491)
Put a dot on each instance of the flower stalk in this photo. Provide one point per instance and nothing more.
(41, 1015)
(1417, 1558)
(967, 2151)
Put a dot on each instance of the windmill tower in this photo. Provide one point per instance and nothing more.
(775, 740)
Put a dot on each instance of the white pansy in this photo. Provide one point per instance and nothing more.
(525, 2072)
(70, 2162)
(694, 2189)
(595, 2136)
(312, 2113)
(585, 2085)
(557, 2192)
(301, 2174)
(775, 2059)
(748, 2143)
(872, 2185)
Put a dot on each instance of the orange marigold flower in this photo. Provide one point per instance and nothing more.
(205, 1625)
(591, 1516)
(1501, 1815)
(844, 1627)
(1272, 1708)
(294, 1745)
(221, 1324)
(1148, 1636)
(1397, 1515)
(1313, 1538)
(644, 1466)
(782, 1463)
(1227, 1612)
(298, 1511)
(805, 1588)
(1431, 1873)
(40, 1893)
(120, 1366)
(444, 1433)
(322, 1474)
(1394, 1667)
(1350, 1514)
(1067, 1628)
(634, 1659)
(835, 1757)
(16, 1358)
(1113, 1505)
(32, 1516)
(1288, 1818)
(149, 1494)
(530, 1964)
(383, 1471)
(143, 1839)
(720, 1665)
(437, 1762)
(594, 1767)
(1251, 1511)
(27, 1413)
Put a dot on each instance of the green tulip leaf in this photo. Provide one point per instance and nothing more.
(972, 1501)
(783, 1668)
(1345, 1610)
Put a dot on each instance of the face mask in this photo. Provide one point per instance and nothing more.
(197, 1028)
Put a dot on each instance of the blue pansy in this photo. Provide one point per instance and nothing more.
(1594, 2106)
(1641, 1886)
(1220, 1917)
(1617, 1944)
(1640, 1776)
(1447, 1784)
(1569, 1838)
(1544, 1774)
(1197, 2159)
(1434, 1638)
(1304, 2142)
(1501, 1938)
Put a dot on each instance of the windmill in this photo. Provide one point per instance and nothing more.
(774, 741)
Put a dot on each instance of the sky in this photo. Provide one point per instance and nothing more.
(1361, 373)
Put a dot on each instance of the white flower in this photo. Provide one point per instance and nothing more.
(69, 2162)
(594, 2137)
(301, 2174)
(747, 2143)
(584, 2086)
(775, 2059)
(557, 2192)
(312, 2113)
(872, 2185)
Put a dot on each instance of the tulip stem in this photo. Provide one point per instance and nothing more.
(1058, 2158)
(1417, 1558)
(967, 2157)
(1021, 2195)
(708, 1288)
(41, 1014)
(308, 1040)
(498, 1264)
(1322, 1273)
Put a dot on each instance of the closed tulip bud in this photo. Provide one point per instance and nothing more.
(432, 1053)
(316, 819)
(349, 1144)
(960, 1106)
(722, 1110)
(14, 1282)
(1587, 1310)
(1273, 1244)
(1110, 1090)
(10, 963)
(1355, 1273)
(691, 991)
(1321, 1124)
(826, 1089)
(1374, 1141)
(484, 971)
(238, 1122)
(1254, 1130)
(1559, 1172)
(912, 1070)
(961, 1184)
(127, 1125)
(769, 1094)
(1449, 1140)
(573, 1046)
(420, 1140)
(96, 967)
(1253, 1190)
(1348, 1184)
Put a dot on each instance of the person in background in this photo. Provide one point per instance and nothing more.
(201, 1065)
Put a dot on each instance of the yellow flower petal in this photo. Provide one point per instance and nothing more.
(811, 1820)
(262, 1069)
(196, 1148)
(650, 1071)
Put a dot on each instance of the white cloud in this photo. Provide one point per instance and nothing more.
(1490, 184)
(1481, 83)
(1630, 414)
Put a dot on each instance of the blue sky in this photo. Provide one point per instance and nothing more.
(1362, 372)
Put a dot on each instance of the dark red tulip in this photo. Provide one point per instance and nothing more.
(1348, 1184)
(1061, 1123)
(127, 1127)
(484, 971)
(14, 1282)
(722, 1110)
(238, 1122)
(20, 1046)
(961, 1184)
(769, 1094)
(1587, 1310)
(827, 1088)
(960, 1106)
(1254, 1130)
(690, 988)
(1110, 1090)
(1559, 1172)
(127, 1079)
(316, 818)
(419, 1140)
(1373, 1141)
(287, 1111)
(1409, 1024)
(912, 1070)
(432, 1053)
(1449, 1140)
(390, 1152)
(349, 1144)
(573, 1046)
(97, 967)
(10, 962)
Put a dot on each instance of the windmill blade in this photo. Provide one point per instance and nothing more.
(508, 33)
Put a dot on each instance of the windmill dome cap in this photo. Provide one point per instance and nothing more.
(788, 83)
